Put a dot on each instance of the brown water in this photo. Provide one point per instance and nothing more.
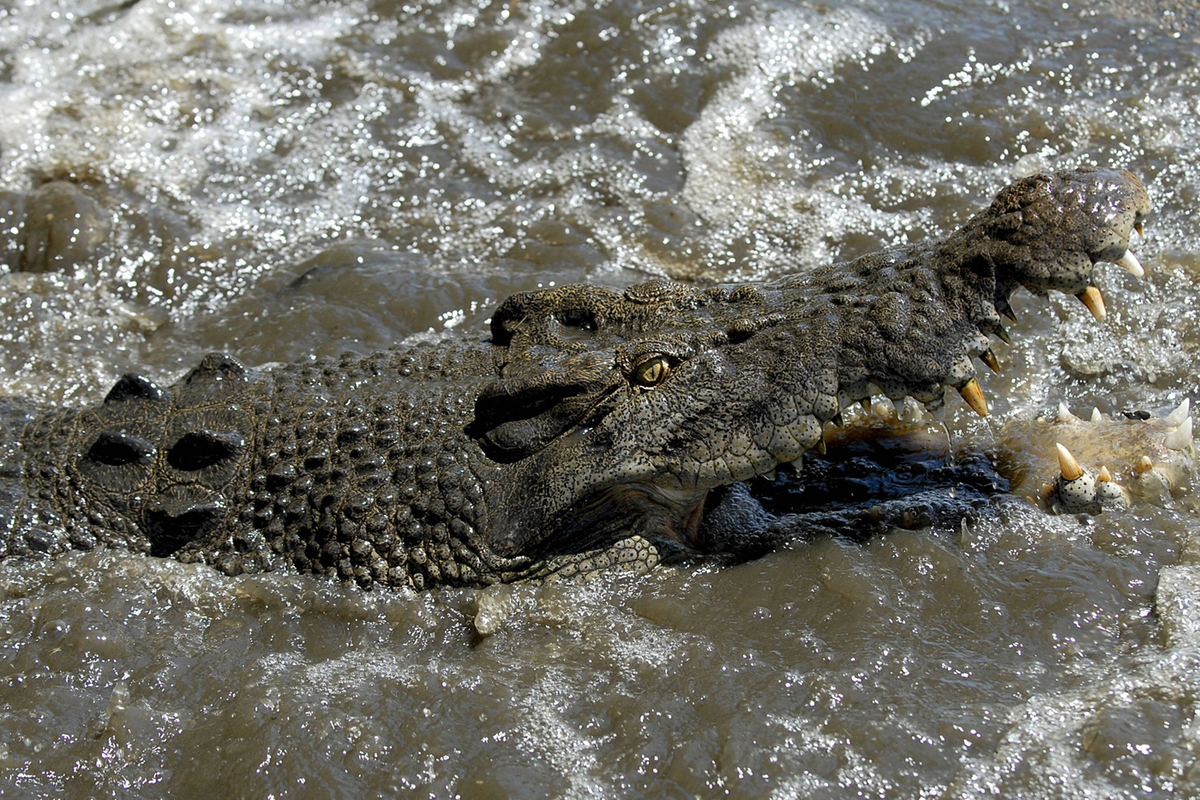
(280, 179)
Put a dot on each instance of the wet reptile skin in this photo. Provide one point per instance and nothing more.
(586, 432)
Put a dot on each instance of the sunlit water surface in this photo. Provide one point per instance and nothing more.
(283, 179)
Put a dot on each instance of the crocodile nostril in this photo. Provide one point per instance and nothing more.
(200, 449)
(117, 449)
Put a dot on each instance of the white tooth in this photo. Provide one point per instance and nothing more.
(1069, 466)
(1130, 264)
(1177, 416)
(1096, 415)
(798, 464)
(1181, 437)
(1064, 413)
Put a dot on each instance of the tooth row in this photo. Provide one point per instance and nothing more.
(1091, 296)
(1080, 490)
(1180, 420)
(962, 374)
(1076, 484)
(1094, 302)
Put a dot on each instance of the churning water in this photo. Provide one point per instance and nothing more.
(279, 179)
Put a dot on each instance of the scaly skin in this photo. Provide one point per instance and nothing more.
(587, 432)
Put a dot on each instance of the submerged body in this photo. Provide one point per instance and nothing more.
(591, 429)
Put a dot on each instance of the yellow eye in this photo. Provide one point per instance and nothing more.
(653, 371)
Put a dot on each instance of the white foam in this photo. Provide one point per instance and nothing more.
(739, 175)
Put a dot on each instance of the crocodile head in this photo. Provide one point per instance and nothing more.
(622, 413)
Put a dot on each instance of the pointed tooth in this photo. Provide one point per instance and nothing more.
(1104, 475)
(989, 358)
(1177, 416)
(1137, 226)
(837, 419)
(971, 392)
(1002, 334)
(1067, 463)
(1130, 264)
(1064, 413)
(771, 476)
(1096, 417)
(1181, 437)
(1143, 465)
(1091, 298)
(1047, 490)
(798, 463)
(821, 448)
(866, 403)
(1004, 308)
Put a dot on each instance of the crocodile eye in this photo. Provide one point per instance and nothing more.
(653, 371)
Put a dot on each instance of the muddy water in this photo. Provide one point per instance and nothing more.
(285, 179)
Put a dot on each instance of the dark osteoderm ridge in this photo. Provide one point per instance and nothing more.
(587, 432)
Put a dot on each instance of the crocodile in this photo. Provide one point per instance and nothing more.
(588, 429)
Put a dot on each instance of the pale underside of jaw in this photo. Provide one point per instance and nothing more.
(1166, 465)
